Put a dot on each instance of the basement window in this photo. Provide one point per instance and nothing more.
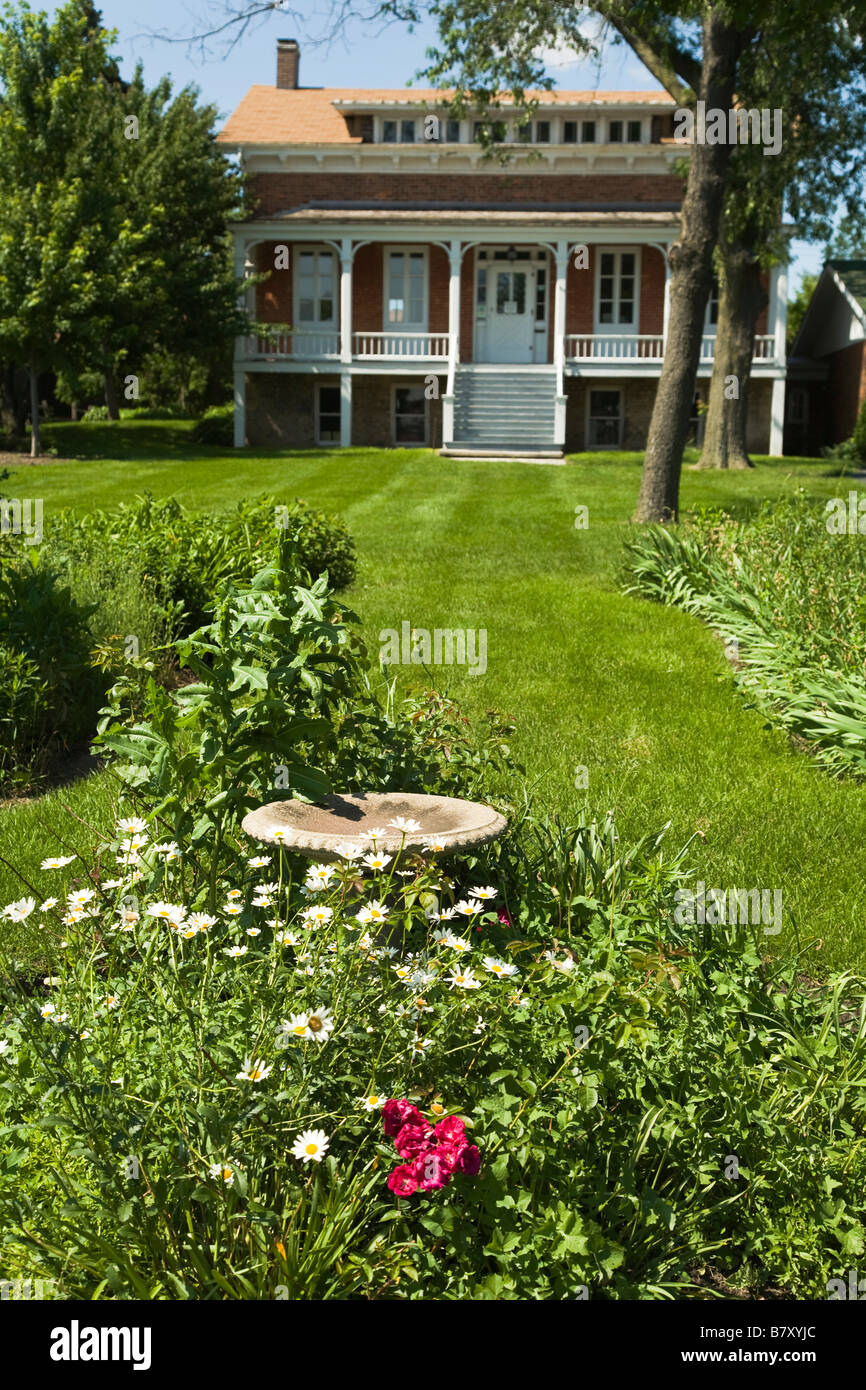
(328, 415)
(604, 425)
(410, 415)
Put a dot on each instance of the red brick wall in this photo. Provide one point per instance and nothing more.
(846, 390)
(274, 295)
(652, 290)
(439, 274)
(467, 306)
(368, 290)
(579, 291)
(280, 192)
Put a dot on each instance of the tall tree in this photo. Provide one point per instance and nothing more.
(823, 119)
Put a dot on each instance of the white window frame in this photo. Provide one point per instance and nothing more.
(616, 327)
(709, 326)
(319, 387)
(401, 444)
(600, 448)
(314, 325)
(405, 250)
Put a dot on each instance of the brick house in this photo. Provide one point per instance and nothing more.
(827, 366)
(422, 294)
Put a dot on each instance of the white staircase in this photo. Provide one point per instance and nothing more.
(507, 411)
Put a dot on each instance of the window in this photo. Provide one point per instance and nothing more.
(523, 132)
(495, 130)
(540, 294)
(712, 315)
(389, 132)
(569, 132)
(798, 406)
(452, 132)
(407, 132)
(605, 420)
(317, 285)
(634, 132)
(614, 132)
(410, 415)
(406, 283)
(617, 281)
(510, 292)
(328, 415)
(588, 133)
(542, 132)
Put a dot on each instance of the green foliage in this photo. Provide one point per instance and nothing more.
(852, 450)
(655, 1106)
(216, 426)
(790, 596)
(94, 413)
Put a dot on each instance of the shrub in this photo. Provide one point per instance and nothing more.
(790, 596)
(216, 426)
(95, 414)
(25, 717)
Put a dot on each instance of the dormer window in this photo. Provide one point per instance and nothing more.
(398, 132)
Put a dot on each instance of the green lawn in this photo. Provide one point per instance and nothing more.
(640, 695)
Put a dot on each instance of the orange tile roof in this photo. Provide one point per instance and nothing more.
(308, 116)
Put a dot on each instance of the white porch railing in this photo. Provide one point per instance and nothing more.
(614, 347)
(302, 344)
(647, 347)
(400, 345)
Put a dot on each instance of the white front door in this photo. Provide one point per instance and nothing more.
(507, 332)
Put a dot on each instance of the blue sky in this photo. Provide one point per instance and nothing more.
(366, 55)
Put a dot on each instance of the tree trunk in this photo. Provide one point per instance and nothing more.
(73, 411)
(691, 266)
(111, 395)
(35, 444)
(13, 407)
(741, 300)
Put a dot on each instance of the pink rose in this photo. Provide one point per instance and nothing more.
(403, 1181)
(469, 1161)
(413, 1138)
(396, 1113)
(451, 1130)
(434, 1169)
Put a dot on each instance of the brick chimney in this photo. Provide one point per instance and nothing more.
(288, 60)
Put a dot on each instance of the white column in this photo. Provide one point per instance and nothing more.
(345, 409)
(559, 340)
(346, 299)
(778, 324)
(240, 409)
(455, 261)
(777, 416)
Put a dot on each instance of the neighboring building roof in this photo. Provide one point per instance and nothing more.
(315, 115)
(853, 275)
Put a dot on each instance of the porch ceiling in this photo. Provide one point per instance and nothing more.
(542, 216)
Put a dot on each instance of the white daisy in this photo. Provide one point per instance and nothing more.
(373, 1102)
(48, 904)
(499, 967)
(20, 911)
(464, 979)
(110, 883)
(377, 860)
(254, 931)
(46, 1010)
(408, 827)
(223, 1173)
(317, 916)
(436, 845)
(349, 851)
(311, 1146)
(253, 1071)
(170, 849)
(468, 909)
(420, 1045)
(233, 909)
(59, 862)
(286, 938)
(131, 825)
(167, 912)
(201, 920)
(259, 861)
(375, 834)
(236, 951)
(483, 893)
(315, 1023)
